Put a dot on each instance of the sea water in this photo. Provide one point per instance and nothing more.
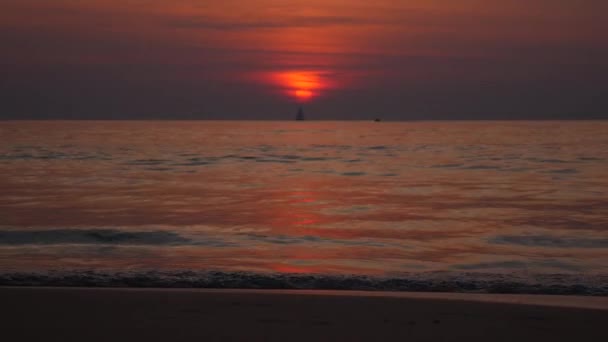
(480, 206)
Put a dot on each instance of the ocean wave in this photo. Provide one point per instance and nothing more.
(90, 236)
(555, 284)
(550, 241)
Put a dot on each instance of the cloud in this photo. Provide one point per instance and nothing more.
(215, 23)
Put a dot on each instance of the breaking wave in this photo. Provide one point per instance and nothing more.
(556, 284)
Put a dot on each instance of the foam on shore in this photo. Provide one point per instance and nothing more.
(548, 284)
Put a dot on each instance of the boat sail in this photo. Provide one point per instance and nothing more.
(300, 115)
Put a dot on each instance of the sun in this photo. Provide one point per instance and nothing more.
(303, 95)
(302, 86)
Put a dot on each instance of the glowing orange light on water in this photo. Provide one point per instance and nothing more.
(303, 86)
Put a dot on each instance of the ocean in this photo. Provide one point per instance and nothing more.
(485, 206)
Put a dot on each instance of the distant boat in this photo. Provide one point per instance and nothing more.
(300, 115)
(377, 120)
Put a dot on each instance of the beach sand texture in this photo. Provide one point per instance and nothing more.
(74, 314)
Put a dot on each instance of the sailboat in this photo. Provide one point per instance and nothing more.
(300, 115)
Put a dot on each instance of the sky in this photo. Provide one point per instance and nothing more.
(339, 59)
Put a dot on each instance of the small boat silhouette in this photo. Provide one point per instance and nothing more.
(300, 115)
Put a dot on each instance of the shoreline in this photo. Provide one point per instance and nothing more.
(429, 282)
(559, 301)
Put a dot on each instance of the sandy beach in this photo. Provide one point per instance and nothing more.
(81, 314)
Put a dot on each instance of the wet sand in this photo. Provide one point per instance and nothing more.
(79, 314)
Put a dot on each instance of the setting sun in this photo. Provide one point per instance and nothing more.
(303, 86)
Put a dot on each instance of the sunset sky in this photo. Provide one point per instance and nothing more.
(341, 59)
